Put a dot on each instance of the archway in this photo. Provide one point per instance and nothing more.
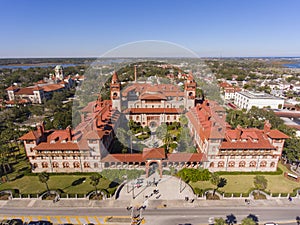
(152, 166)
(152, 124)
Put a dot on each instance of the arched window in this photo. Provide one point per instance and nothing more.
(221, 164)
(168, 117)
(55, 165)
(44, 165)
(263, 164)
(272, 164)
(252, 164)
(86, 165)
(242, 164)
(96, 165)
(76, 164)
(35, 165)
(66, 165)
(231, 164)
(211, 164)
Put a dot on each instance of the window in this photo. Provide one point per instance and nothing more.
(242, 164)
(66, 165)
(55, 165)
(96, 165)
(231, 164)
(86, 165)
(35, 165)
(272, 164)
(263, 163)
(221, 164)
(76, 164)
(252, 164)
(211, 164)
(44, 165)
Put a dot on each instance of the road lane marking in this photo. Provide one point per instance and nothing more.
(77, 219)
(58, 219)
(68, 219)
(98, 222)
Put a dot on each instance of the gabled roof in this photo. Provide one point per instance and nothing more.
(12, 88)
(154, 153)
(31, 135)
(276, 134)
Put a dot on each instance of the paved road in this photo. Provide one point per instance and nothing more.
(282, 215)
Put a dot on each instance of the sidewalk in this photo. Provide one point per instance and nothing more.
(111, 203)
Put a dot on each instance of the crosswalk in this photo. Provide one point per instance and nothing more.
(97, 220)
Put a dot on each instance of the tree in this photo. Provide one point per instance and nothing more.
(248, 221)
(44, 177)
(167, 139)
(183, 120)
(260, 182)
(219, 182)
(215, 179)
(219, 221)
(95, 179)
(161, 130)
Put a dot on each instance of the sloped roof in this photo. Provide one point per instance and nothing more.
(154, 153)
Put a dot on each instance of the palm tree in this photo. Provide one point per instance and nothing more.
(167, 139)
(215, 179)
(219, 221)
(248, 221)
(260, 183)
(95, 179)
(44, 177)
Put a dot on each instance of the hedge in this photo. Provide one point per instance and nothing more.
(277, 172)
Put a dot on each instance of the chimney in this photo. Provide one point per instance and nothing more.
(267, 127)
(135, 74)
(239, 132)
(82, 117)
(69, 130)
(40, 129)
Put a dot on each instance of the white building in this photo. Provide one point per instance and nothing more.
(247, 99)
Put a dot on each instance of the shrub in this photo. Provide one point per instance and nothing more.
(277, 172)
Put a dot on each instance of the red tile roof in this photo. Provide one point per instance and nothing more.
(31, 135)
(276, 134)
(154, 153)
(153, 110)
(12, 88)
(123, 158)
(186, 157)
(62, 146)
(25, 91)
(156, 96)
(52, 87)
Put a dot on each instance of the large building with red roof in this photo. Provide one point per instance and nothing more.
(42, 89)
(89, 147)
(239, 149)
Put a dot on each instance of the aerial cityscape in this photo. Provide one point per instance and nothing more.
(172, 112)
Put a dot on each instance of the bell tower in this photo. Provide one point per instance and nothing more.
(115, 92)
(190, 92)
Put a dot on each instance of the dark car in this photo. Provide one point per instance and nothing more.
(12, 222)
(40, 222)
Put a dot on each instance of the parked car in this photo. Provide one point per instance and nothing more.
(12, 222)
(40, 222)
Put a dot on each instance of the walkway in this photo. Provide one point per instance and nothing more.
(143, 190)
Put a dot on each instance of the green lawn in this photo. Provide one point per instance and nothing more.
(31, 184)
(243, 183)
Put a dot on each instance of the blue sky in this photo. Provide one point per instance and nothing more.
(63, 28)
